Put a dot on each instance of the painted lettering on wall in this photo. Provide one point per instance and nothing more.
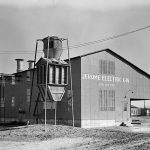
(105, 78)
(106, 84)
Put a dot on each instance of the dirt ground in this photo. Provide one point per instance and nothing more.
(33, 137)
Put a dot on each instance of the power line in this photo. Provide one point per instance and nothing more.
(18, 52)
(21, 52)
(82, 44)
(14, 53)
(109, 38)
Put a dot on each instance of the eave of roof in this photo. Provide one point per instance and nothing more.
(5, 75)
(132, 106)
(23, 71)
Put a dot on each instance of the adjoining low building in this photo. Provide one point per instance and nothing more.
(135, 111)
(104, 84)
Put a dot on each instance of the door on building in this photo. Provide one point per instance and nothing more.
(124, 111)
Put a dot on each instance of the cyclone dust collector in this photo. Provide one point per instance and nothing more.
(52, 76)
(52, 68)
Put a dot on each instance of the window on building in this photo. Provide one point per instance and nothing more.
(28, 76)
(107, 67)
(13, 101)
(28, 95)
(106, 100)
(13, 80)
(110, 100)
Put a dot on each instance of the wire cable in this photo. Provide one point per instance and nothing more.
(109, 38)
(83, 44)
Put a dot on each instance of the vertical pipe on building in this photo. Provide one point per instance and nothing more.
(30, 64)
(46, 81)
(70, 71)
(19, 64)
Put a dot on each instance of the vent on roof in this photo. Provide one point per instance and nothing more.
(19, 64)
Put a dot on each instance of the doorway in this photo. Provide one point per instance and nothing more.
(140, 111)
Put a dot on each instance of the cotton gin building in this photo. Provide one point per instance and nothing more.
(104, 84)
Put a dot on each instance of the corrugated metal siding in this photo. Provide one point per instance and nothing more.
(19, 92)
(65, 106)
(95, 91)
(76, 76)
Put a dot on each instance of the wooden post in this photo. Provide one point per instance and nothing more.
(71, 87)
(46, 81)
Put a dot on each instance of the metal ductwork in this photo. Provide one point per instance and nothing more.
(55, 47)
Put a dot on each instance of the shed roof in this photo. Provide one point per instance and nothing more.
(132, 106)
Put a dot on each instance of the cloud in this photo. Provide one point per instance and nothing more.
(102, 5)
(28, 3)
(105, 5)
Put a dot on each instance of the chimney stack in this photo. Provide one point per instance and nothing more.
(30, 64)
(19, 65)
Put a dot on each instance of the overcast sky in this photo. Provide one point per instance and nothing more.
(24, 21)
